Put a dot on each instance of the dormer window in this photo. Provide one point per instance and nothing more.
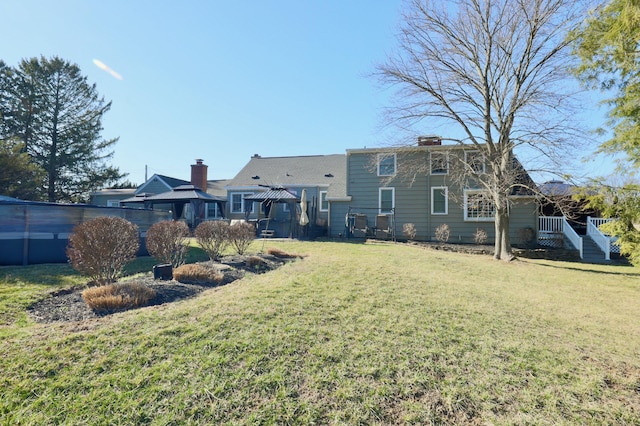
(386, 164)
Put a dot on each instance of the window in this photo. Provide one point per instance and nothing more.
(478, 206)
(475, 161)
(213, 211)
(386, 164)
(324, 204)
(439, 163)
(238, 204)
(439, 200)
(113, 203)
(386, 199)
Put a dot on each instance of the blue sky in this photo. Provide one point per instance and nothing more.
(219, 80)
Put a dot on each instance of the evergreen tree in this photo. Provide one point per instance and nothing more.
(49, 106)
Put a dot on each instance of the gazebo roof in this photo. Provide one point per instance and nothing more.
(277, 195)
(179, 193)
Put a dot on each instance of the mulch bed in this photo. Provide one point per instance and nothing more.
(67, 304)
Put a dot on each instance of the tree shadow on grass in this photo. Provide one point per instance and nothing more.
(628, 270)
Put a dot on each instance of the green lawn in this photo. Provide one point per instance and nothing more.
(351, 334)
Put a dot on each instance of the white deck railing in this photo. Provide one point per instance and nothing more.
(552, 230)
(602, 240)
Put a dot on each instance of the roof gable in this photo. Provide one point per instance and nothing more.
(159, 183)
(311, 170)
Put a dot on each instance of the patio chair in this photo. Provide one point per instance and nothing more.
(360, 225)
(383, 228)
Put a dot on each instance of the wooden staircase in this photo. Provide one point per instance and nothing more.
(591, 253)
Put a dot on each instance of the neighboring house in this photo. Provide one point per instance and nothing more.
(377, 197)
(110, 197)
(158, 193)
(320, 175)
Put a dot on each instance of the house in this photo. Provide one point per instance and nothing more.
(192, 200)
(363, 194)
(378, 195)
(320, 176)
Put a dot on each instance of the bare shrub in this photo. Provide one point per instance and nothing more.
(443, 233)
(526, 236)
(213, 237)
(281, 254)
(241, 235)
(166, 241)
(100, 248)
(116, 297)
(480, 236)
(409, 230)
(197, 274)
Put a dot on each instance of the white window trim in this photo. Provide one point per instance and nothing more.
(466, 160)
(446, 160)
(113, 203)
(395, 163)
(393, 199)
(466, 211)
(218, 211)
(320, 203)
(243, 206)
(446, 200)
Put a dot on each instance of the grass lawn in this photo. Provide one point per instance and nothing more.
(351, 334)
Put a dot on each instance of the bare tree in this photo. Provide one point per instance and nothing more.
(495, 70)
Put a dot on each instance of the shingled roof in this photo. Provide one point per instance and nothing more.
(309, 170)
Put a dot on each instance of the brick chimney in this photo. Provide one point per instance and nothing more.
(429, 140)
(199, 175)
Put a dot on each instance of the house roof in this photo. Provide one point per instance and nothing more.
(310, 170)
(217, 187)
(167, 180)
(556, 188)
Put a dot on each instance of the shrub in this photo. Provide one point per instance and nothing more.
(480, 236)
(117, 297)
(213, 237)
(197, 274)
(166, 241)
(526, 236)
(409, 230)
(100, 248)
(443, 233)
(241, 235)
(256, 262)
(281, 254)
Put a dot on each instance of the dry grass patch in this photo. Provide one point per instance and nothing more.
(197, 274)
(281, 254)
(115, 297)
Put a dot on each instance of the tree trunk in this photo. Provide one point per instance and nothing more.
(502, 247)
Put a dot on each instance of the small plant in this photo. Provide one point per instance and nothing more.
(117, 297)
(213, 237)
(526, 236)
(255, 262)
(480, 236)
(166, 241)
(241, 235)
(443, 233)
(409, 230)
(101, 248)
(197, 274)
(281, 254)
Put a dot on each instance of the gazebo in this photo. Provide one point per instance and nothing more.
(178, 198)
(267, 199)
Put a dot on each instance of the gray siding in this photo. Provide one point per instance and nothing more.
(413, 201)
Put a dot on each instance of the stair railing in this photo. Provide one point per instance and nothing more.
(602, 241)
